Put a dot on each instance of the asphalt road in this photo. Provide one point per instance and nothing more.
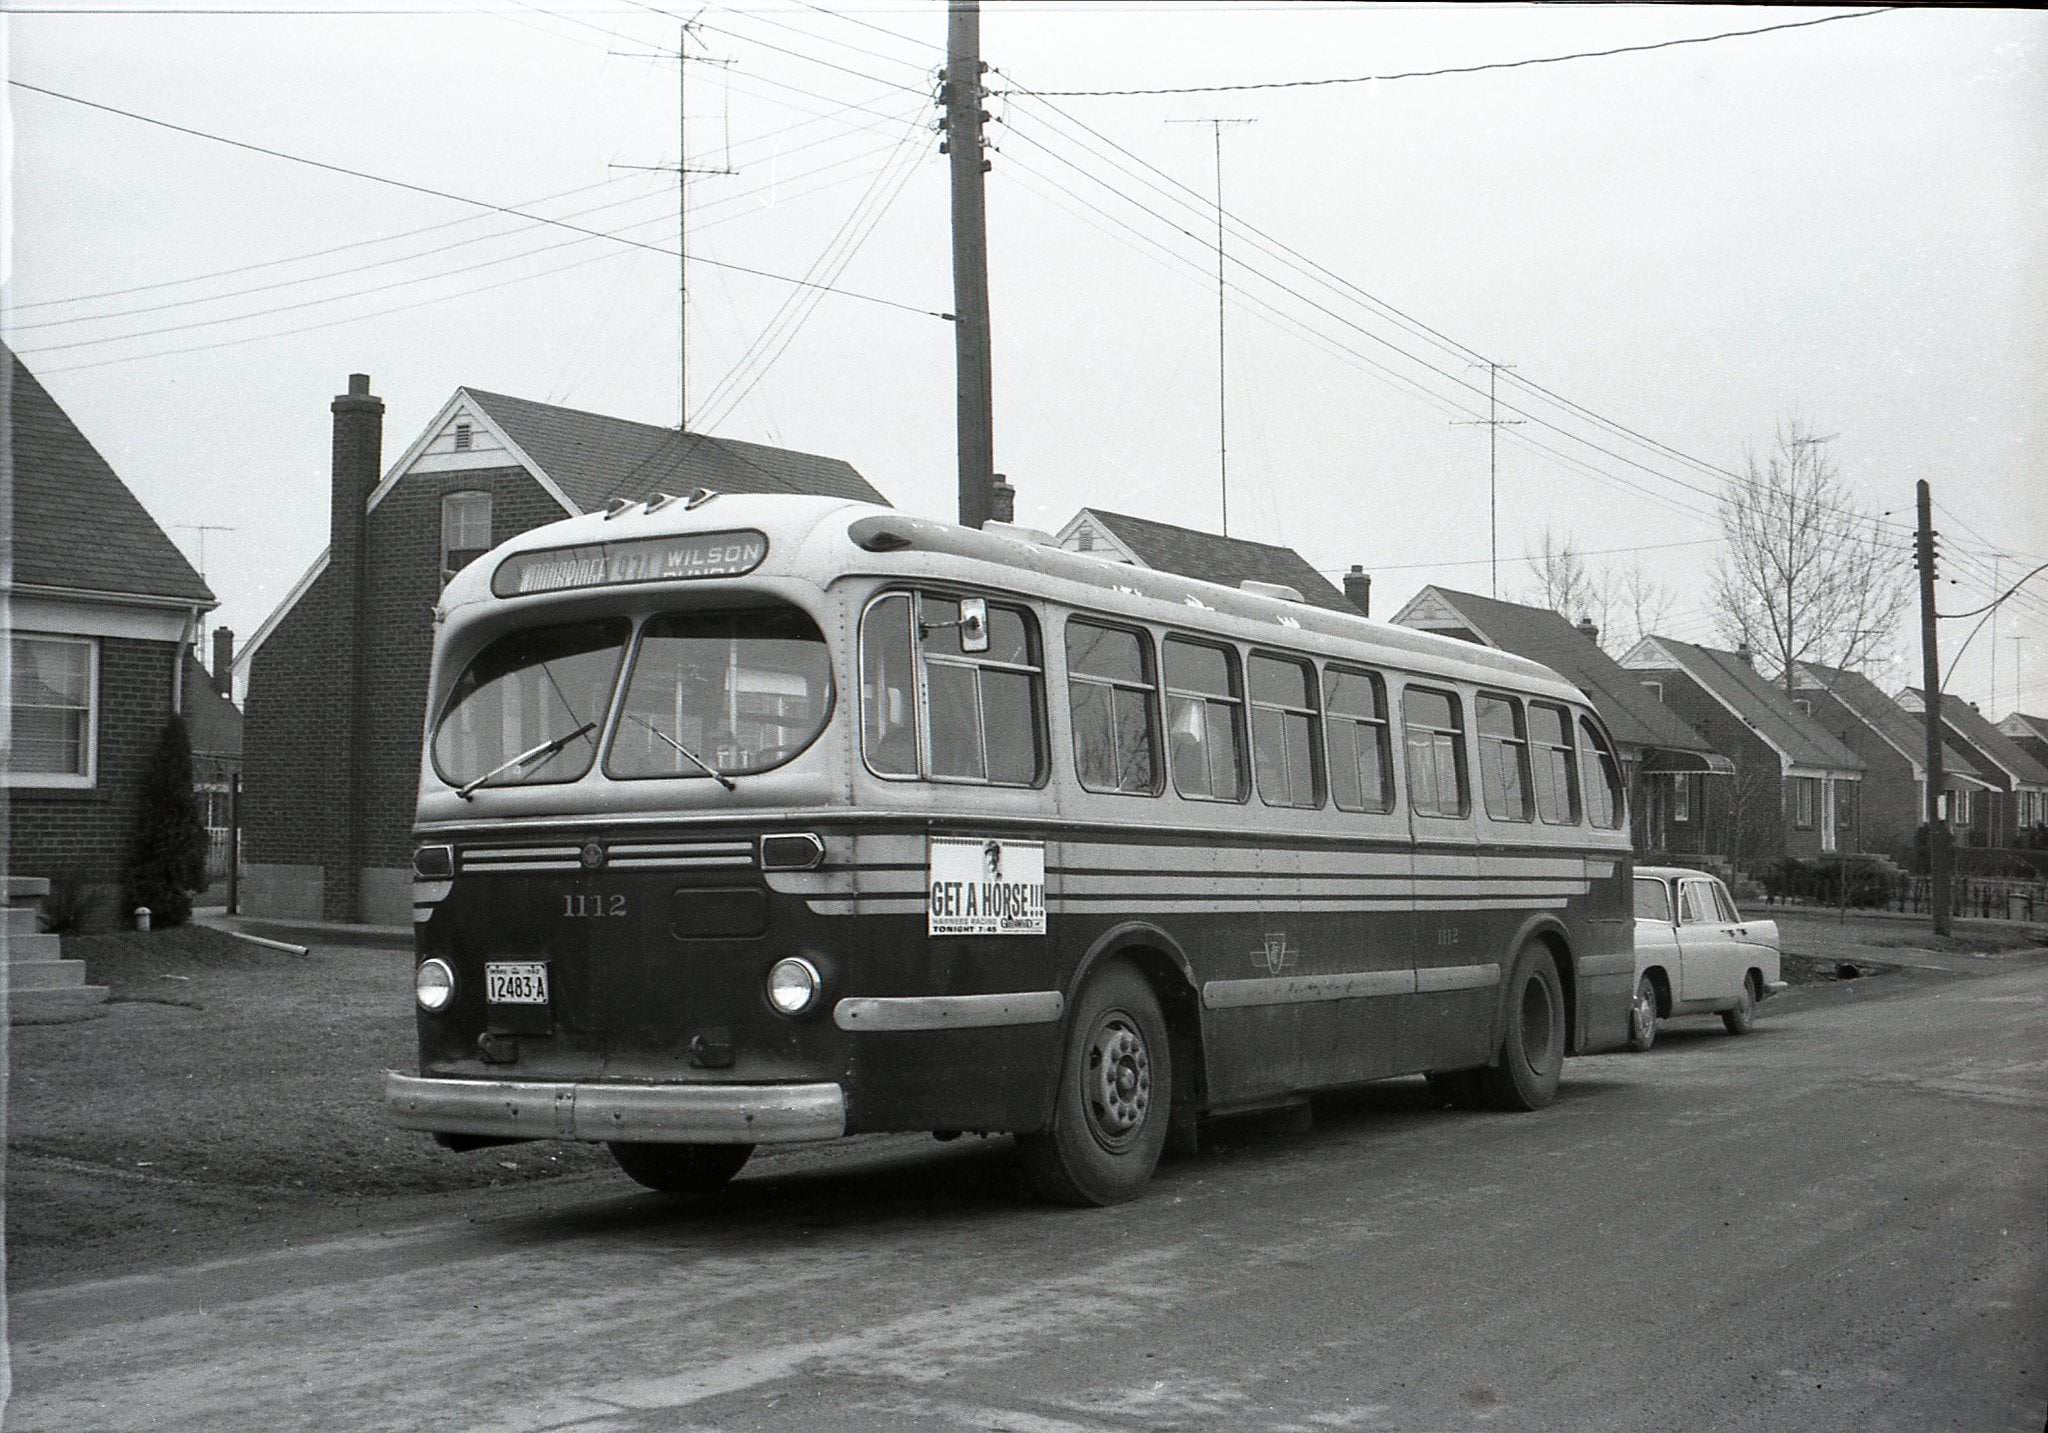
(1833, 1223)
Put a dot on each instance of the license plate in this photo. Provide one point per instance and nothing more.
(521, 982)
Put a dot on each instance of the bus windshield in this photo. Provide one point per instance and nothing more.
(737, 692)
(523, 693)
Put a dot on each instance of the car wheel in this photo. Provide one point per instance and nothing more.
(1115, 1096)
(681, 1168)
(1642, 1016)
(1742, 1019)
(1524, 1074)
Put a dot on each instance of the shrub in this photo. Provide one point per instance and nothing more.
(68, 908)
(167, 860)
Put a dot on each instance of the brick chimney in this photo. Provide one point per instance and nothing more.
(1358, 588)
(1748, 657)
(358, 459)
(1002, 502)
(224, 662)
(1589, 629)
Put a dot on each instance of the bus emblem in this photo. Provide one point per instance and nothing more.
(1276, 956)
(592, 855)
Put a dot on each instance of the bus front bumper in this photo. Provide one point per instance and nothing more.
(646, 1114)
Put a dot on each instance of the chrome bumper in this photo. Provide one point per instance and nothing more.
(1776, 987)
(651, 1114)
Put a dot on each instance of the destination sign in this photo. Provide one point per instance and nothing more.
(633, 559)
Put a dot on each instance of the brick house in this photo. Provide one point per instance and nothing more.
(1892, 743)
(1795, 787)
(2016, 798)
(1665, 763)
(335, 680)
(2030, 733)
(100, 608)
(215, 723)
(1191, 552)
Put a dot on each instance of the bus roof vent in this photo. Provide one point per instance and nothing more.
(1270, 589)
(879, 534)
(1037, 536)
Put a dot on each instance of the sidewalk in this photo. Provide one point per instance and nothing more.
(1871, 938)
(306, 932)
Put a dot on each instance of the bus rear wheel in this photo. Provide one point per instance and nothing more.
(1114, 1101)
(1525, 1071)
(681, 1168)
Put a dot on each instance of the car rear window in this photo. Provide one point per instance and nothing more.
(1653, 900)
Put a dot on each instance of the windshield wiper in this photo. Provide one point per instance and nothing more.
(539, 753)
(706, 767)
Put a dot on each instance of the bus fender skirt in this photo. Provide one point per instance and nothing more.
(1119, 938)
(1535, 927)
(652, 1114)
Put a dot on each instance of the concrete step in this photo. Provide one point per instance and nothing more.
(44, 974)
(26, 888)
(19, 920)
(32, 947)
(50, 1007)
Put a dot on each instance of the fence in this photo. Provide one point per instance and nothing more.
(1978, 897)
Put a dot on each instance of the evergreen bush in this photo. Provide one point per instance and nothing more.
(167, 861)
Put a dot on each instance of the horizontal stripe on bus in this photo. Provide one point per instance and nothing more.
(1622, 962)
(947, 1012)
(1278, 887)
(1292, 989)
(889, 905)
(1436, 979)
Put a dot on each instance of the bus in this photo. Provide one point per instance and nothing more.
(760, 818)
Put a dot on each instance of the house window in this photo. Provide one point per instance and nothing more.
(1554, 763)
(54, 699)
(1681, 796)
(1286, 746)
(463, 437)
(1804, 799)
(1962, 817)
(1434, 727)
(1204, 721)
(465, 531)
(1361, 771)
(1115, 709)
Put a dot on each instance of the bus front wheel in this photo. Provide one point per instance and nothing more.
(1525, 1071)
(681, 1168)
(1111, 1111)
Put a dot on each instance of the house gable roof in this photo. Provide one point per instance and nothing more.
(214, 722)
(2019, 724)
(1632, 714)
(1763, 706)
(1228, 560)
(76, 527)
(2021, 768)
(1897, 727)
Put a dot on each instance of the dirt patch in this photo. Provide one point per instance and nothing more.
(223, 1080)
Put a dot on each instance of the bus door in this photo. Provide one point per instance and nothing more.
(1457, 969)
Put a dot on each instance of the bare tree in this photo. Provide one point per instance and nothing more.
(1561, 580)
(1808, 576)
(1638, 604)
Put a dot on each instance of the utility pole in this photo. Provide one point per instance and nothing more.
(1493, 423)
(1930, 676)
(960, 96)
(1222, 391)
(682, 169)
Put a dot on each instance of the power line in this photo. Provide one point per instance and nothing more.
(457, 198)
(1483, 561)
(1466, 69)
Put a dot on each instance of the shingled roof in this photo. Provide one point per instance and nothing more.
(1763, 705)
(1633, 715)
(1974, 727)
(1899, 728)
(594, 458)
(76, 527)
(1212, 558)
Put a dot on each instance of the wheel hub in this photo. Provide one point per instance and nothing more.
(1120, 1078)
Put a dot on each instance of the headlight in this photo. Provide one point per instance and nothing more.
(433, 985)
(793, 985)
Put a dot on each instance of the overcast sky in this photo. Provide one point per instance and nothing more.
(1840, 224)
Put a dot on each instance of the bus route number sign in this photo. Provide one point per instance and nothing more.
(977, 886)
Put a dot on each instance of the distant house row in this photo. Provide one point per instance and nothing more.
(107, 616)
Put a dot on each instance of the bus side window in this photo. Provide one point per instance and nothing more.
(1434, 727)
(984, 708)
(1204, 721)
(1555, 764)
(1503, 758)
(1286, 746)
(888, 688)
(1604, 806)
(1115, 705)
(1361, 771)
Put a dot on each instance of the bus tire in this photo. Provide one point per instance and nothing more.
(680, 1168)
(1112, 1109)
(1525, 1071)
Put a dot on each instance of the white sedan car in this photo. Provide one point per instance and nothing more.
(1695, 955)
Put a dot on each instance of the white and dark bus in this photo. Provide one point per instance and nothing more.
(773, 818)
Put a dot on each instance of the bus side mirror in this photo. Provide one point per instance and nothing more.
(974, 624)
